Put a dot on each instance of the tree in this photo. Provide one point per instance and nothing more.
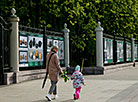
(81, 16)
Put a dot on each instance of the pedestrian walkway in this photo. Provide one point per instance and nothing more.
(118, 86)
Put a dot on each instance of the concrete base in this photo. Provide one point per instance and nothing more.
(10, 78)
(93, 70)
(30, 75)
(21, 76)
(88, 70)
(102, 70)
(112, 68)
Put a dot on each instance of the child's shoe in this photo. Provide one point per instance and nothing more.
(75, 97)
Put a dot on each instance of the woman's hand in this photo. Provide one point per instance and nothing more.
(84, 84)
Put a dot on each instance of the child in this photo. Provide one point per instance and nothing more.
(78, 80)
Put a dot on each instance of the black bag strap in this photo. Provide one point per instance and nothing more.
(49, 60)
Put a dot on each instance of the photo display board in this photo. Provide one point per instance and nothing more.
(59, 41)
(30, 49)
(120, 51)
(128, 51)
(108, 50)
(135, 52)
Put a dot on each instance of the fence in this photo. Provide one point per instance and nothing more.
(4, 48)
(117, 49)
(25, 48)
(114, 49)
(35, 43)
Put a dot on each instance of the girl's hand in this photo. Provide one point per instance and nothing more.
(84, 84)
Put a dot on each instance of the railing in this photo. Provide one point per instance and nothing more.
(36, 33)
(4, 48)
(5, 45)
(118, 49)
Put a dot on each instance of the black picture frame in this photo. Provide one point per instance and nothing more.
(23, 43)
(23, 59)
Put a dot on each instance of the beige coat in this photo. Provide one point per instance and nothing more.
(54, 67)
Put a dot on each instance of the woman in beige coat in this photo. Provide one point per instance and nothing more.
(54, 69)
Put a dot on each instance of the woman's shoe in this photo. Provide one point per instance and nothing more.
(48, 97)
(55, 97)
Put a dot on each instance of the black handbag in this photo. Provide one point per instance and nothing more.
(47, 72)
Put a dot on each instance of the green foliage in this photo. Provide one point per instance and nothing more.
(81, 16)
(64, 76)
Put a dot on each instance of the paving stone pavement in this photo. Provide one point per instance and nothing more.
(117, 86)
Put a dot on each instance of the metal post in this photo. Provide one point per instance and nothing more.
(44, 45)
(2, 56)
(133, 50)
(114, 48)
(124, 47)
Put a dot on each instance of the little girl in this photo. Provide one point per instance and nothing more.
(78, 80)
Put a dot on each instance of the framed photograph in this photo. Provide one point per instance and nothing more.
(128, 51)
(108, 50)
(23, 56)
(49, 44)
(35, 42)
(55, 42)
(135, 52)
(23, 41)
(35, 55)
(120, 51)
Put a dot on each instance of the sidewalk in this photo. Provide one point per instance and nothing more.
(118, 86)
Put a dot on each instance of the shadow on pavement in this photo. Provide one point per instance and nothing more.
(70, 100)
(40, 101)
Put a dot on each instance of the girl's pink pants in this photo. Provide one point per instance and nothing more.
(77, 92)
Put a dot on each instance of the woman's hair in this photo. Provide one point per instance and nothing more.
(54, 47)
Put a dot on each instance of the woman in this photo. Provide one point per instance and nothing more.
(53, 68)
